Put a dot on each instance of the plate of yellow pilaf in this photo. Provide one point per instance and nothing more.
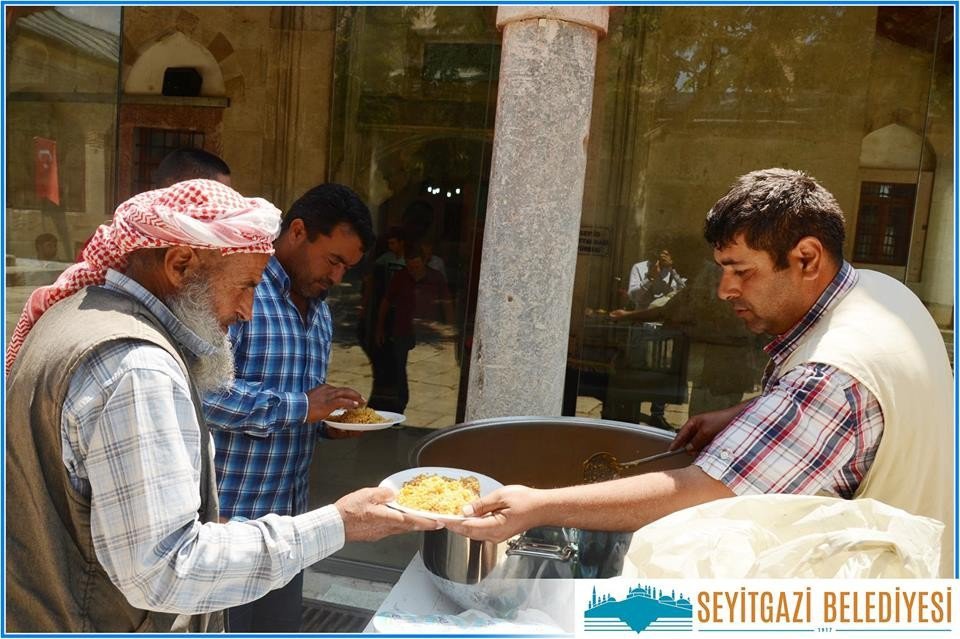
(363, 418)
(437, 492)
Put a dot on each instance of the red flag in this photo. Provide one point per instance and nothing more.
(47, 175)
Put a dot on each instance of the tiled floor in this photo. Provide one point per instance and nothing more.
(344, 591)
(433, 375)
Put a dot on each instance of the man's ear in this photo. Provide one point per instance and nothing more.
(810, 255)
(179, 263)
(297, 230)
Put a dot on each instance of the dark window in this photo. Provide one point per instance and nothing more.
(884, 223)
(460, 62)
(182, 81)
(151, 146)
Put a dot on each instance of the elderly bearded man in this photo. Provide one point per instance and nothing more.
(109, 463)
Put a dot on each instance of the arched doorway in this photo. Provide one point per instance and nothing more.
(897, 166)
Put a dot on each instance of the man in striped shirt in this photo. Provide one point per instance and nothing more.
(857, 397)
(267, 424)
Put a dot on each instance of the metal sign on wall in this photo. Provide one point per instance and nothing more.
(594, 240)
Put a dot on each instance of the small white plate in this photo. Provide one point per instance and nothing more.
(392, 418)
(397, 480)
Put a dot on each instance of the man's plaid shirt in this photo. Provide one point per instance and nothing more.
(131, 444)
(815, 429)
(264, 445)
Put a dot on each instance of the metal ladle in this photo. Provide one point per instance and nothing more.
(604, 466)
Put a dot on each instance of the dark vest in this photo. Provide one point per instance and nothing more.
(54, 581)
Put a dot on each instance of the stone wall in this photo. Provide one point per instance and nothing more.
(276, 64)
(67, 95)
(687, 99)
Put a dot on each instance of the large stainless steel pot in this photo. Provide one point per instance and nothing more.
(542, 452)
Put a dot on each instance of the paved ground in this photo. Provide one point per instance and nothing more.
(433, 377)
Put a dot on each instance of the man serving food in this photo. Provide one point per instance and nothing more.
(857, 398)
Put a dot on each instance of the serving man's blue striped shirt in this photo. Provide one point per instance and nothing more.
(263, 444)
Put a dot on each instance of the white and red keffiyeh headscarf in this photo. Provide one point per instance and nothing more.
(202, 214)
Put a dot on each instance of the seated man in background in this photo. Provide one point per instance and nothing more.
(654, 281)
(43, 270)
(652, 284)
(857, 398)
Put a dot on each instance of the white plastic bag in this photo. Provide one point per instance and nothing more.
(780, 536)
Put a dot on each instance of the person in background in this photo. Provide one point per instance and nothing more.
(716, 335)
(415, 293)
(654, 281)
(40, 271)
(375, 283)
(183, 164)
(433, 260)
(45, 245)
(652, 284)
(267, 424)
(109, 464)
(392, 260)
(857, 399)
(190, 163)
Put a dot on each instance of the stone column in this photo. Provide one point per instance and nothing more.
(533, 217)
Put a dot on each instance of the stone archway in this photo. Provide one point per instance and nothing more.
(143, 105)
(896, 147)
(897, 155)
(174, 50)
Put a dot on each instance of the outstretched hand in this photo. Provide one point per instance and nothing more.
(366, 517)
(502, 514)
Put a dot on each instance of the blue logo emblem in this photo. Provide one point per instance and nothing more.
(644, 608)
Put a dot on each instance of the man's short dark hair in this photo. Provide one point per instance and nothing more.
(774, 209)
(654, 254)
(395, 233)
(44, 238)
(188, 164)
(413, 251)
(326, 206)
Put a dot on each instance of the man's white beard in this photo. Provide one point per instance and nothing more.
(193, 305)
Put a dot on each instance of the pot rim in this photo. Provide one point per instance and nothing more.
(533, 420)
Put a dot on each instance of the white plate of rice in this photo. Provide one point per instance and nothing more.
(363, 419)
(436, 492)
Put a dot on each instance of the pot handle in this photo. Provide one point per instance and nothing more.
(523, 547)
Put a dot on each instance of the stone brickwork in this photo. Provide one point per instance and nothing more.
(276, 65)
